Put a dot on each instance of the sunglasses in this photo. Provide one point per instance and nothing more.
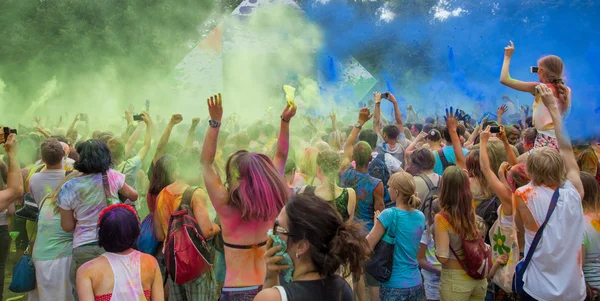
(277, 229)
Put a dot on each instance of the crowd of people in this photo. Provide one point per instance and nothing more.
(465, 208)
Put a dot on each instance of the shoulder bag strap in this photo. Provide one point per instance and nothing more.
(538, 234)
(445, 162)
(106, 187)
(186, 199)
(28, 251)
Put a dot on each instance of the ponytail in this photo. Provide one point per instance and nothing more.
(414, 202)
(348, 247)
(562, 94)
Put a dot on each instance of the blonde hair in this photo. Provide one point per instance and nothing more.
(403, 183)
(546, 166)
(308, 163)
(481, 226)
(336, 141)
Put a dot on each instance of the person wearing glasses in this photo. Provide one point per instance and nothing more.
(314, 244)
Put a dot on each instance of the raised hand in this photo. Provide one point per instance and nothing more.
(364, 115)
(484, 136)
(547, 96)
(145, 118)
(421, 136)
(502, 134)
(377, 96)
(11, 145)
(288, 113)
(38, 120)
(509, 50)
(391, 98)
(502, 109)
(176, 119)
(451, 121)
(196, 121)
(215, 107)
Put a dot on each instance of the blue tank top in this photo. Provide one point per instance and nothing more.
(364, 185)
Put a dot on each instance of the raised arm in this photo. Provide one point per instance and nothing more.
(164, 139)
(512, 157)
(564, 143)
(189, 141)
(148, 138)
(397, 114)
(500, 189)
(501, 110)
(505, 78)
(72, 126)
(214, 187)
(377, 115)
(283, 141)
(452, 124)
(363, 116)
(476, 131)
(133, 139)
(14, 185)
(411, 148)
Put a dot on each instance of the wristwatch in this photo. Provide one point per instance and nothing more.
(358, 125)
(214, 123)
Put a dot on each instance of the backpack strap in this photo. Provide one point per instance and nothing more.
(461, 262)
(186, 199)
(538, 234)
(427, 181)
(106, 186)
(445, 163)
(309, 189)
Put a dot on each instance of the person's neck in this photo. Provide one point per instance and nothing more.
(428, 172)
(363, 169)
(54, 167)
(434, 145)
(325, 182)
(306, 271)
(126, 252)
(391, 143)
(403, 206)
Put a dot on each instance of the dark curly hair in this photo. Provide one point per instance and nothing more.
(333, 243)
(94, 157)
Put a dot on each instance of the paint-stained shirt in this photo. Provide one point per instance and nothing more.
(364, 185)
(555, 272)
(166, 204)
(85, 196)
(408, 227)
(591, 241)
(45, 182)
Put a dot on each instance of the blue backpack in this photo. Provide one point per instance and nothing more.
(378, 169)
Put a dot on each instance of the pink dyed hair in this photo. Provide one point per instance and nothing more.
(517, 177)
(255, 186)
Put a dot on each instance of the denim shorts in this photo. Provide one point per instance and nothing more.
(415, 293)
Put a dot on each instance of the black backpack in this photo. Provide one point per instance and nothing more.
(488, 211)
(434, 192)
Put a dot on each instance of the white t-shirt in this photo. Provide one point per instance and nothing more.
(45, 182)
(130, 169)
(393, 164)
(3, 218)
(85, 196)
(555, 273)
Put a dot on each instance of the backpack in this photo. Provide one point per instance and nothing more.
(445, 162)
(434, 192)
(186, 252)
(488, 211)
(478, 260)
(378, 169)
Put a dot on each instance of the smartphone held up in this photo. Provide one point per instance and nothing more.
(6, 131)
